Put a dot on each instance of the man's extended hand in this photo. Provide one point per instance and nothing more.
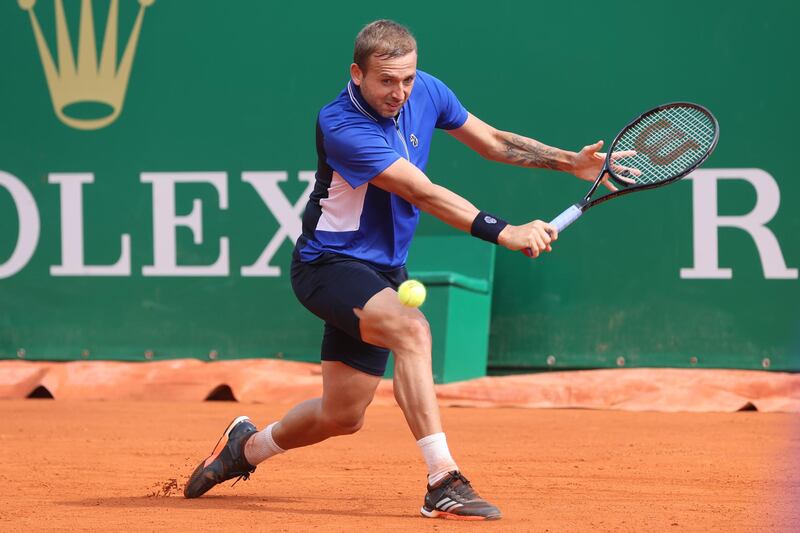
(589, 162)
(532, 238)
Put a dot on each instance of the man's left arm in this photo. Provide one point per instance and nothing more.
(514, 149)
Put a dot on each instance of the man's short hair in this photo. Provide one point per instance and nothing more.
(385, 39)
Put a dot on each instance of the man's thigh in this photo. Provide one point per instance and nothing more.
(331, 290)
(385, 321)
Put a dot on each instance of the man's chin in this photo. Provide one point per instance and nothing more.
(390, 112)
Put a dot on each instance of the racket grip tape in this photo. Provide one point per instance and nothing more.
(570, 215)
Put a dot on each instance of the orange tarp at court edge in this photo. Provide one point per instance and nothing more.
(277, 381)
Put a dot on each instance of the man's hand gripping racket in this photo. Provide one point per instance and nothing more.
(658, 147)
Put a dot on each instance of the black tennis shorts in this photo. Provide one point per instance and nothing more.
(330, 287)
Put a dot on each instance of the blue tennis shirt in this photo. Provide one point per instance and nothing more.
(345, 214)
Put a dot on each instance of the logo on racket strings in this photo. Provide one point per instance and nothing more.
(664, 133)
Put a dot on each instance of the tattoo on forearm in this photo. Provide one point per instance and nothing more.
(530, 154)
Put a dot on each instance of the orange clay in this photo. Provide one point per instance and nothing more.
(120, 466)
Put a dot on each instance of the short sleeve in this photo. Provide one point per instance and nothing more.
(451, 114)
(358, 152)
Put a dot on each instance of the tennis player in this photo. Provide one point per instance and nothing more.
(373, 142)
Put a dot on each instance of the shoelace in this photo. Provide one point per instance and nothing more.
(462, 492)
(245, 475)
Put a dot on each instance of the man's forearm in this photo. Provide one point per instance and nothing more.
(447, 206)
(522, 151)
(410, 183)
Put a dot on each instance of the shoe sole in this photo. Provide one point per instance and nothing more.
(223, 440)
(450, 516)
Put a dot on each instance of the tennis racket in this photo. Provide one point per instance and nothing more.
(670, 141)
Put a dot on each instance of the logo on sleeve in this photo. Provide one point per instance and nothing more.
(414, 140)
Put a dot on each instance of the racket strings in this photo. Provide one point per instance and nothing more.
(668, 142)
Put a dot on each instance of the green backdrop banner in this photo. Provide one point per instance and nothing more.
(155, 157)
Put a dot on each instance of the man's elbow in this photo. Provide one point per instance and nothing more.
(494, 149)
(494, 154)
(422, 196)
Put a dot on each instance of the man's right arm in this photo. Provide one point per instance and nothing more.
(410, 183)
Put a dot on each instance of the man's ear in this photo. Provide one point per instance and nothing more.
(356, 74)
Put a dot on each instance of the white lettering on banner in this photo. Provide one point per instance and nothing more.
(165, 222)
(72, 255)
(29, 225)
(288, 215)
(707, 222)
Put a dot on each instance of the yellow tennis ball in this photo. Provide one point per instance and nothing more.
(411, 293)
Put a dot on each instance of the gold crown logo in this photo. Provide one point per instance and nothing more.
(87, 82)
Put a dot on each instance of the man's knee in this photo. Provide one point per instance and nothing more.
(411, 335)
(343, 423)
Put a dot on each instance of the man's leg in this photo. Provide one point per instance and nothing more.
(384, 321)
(346, 393)
(405, 331)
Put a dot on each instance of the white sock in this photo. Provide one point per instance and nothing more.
(262, 446)
(437, 457)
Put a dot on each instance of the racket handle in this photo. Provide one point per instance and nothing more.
(570, 215)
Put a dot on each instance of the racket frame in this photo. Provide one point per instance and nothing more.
(576, 210)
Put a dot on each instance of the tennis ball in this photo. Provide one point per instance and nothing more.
(411, 293)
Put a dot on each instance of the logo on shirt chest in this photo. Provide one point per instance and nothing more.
(414, 140)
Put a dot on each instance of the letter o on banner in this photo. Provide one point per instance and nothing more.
(29, 225)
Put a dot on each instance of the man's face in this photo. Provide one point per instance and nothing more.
(387, 83)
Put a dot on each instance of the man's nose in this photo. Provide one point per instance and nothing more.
(398, 93)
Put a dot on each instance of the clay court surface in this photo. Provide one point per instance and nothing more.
(120, 466)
